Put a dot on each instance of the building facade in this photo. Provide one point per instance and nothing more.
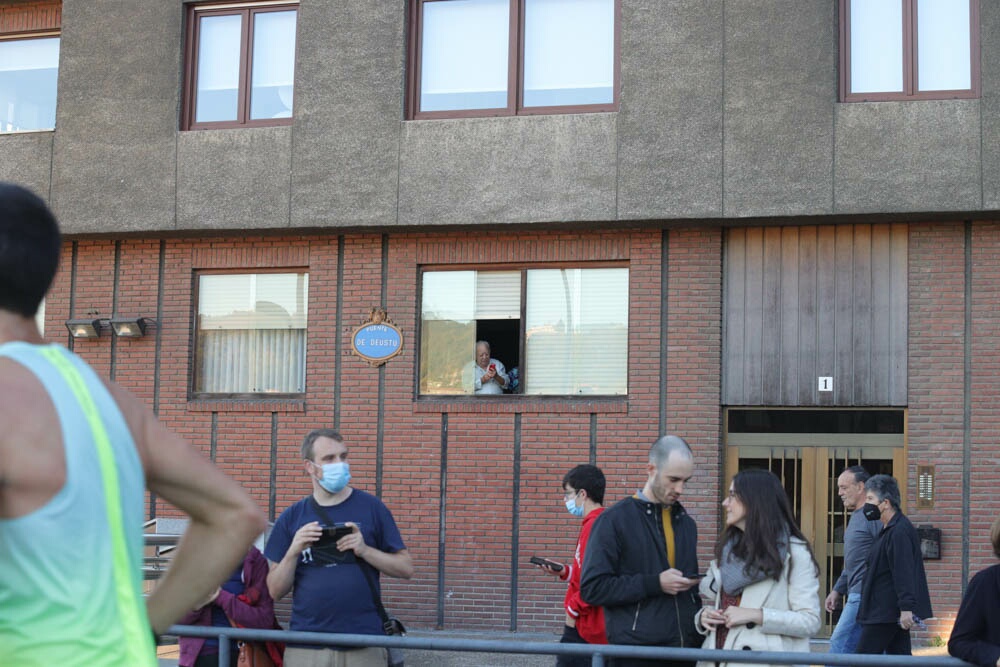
(736, 233)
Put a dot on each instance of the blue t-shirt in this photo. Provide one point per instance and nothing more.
(330, 591)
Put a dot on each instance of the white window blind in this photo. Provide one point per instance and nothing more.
(252, 333)
(577, 331)
(498, 295)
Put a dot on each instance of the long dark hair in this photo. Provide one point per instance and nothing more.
(769, 521)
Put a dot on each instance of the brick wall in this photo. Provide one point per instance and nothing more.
(478, 460)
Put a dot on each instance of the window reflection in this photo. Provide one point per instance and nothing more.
(273, 65)
(29, 69)
(218, 68)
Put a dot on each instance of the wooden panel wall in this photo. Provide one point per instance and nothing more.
(806, 302)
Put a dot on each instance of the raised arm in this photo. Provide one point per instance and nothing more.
(224, 520)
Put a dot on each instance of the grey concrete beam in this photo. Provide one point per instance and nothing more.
(670, 118)
(506, 170)
(348, 106)
(908, 156)
(233, 179)
(781, 86)
(117, 115)
(26, 159)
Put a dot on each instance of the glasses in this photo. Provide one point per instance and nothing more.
(571, 494)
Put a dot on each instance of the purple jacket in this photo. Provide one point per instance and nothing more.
(258, 615)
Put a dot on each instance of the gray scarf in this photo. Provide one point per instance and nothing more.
(736, 574)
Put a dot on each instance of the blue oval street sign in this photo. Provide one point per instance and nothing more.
(377, 343)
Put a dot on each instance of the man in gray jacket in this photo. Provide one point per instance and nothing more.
(858, 538)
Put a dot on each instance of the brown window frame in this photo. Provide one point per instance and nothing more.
(520, 397)
(515, 72)
(910, 46)
(247, 10)
(194, 394)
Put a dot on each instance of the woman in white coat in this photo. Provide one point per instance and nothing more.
(764, 581)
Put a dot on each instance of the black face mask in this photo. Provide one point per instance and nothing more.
(871, 512)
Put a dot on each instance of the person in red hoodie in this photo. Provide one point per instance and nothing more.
(583, 493)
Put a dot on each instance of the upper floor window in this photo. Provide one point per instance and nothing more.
(511, 57)
(251, 333)
(240, 65)
(552, 331)
(29, 70)
(909, 49)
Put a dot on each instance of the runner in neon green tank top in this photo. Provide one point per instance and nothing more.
(76, 454)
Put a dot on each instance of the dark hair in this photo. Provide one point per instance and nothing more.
(589, 478)
(769, 521)
(860, 474)
(30, 244)
(307, 443)
(885, 488)
(665, 446)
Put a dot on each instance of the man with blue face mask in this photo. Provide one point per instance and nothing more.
(583, 494)
(336, 579)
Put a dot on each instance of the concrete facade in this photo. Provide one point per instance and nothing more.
(729, 115)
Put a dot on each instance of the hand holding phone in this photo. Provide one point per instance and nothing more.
(331, 534)
(545, 562)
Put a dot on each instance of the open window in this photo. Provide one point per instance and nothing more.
(561, 331)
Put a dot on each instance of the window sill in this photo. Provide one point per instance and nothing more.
(246, 405)
(521, 404)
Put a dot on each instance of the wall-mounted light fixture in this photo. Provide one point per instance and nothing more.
(84, 328)
(130, 327)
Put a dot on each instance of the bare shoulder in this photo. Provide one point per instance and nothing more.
(32, 460)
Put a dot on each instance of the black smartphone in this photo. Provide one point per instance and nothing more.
(551, 564)
(693, 576)
(333, 533)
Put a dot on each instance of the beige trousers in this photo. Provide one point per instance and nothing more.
(325, 657)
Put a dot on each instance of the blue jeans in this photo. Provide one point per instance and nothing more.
(845, 636)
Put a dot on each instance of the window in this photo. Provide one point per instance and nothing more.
(251, 333)
(507, 57)
(240, 65)
(908, 49)
(29, 69)
(567, 334)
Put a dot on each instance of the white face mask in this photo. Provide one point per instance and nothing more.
(335, 476)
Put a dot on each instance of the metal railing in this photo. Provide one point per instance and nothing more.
(597, 652)
(153, 566)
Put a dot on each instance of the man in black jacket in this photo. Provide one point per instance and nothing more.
(639, 553)
(894, 595)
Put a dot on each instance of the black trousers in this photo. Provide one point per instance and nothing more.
(571, 636)
(632, 662)
(877, 638)
(212, 660)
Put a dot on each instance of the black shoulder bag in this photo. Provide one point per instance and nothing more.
(390, 624)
